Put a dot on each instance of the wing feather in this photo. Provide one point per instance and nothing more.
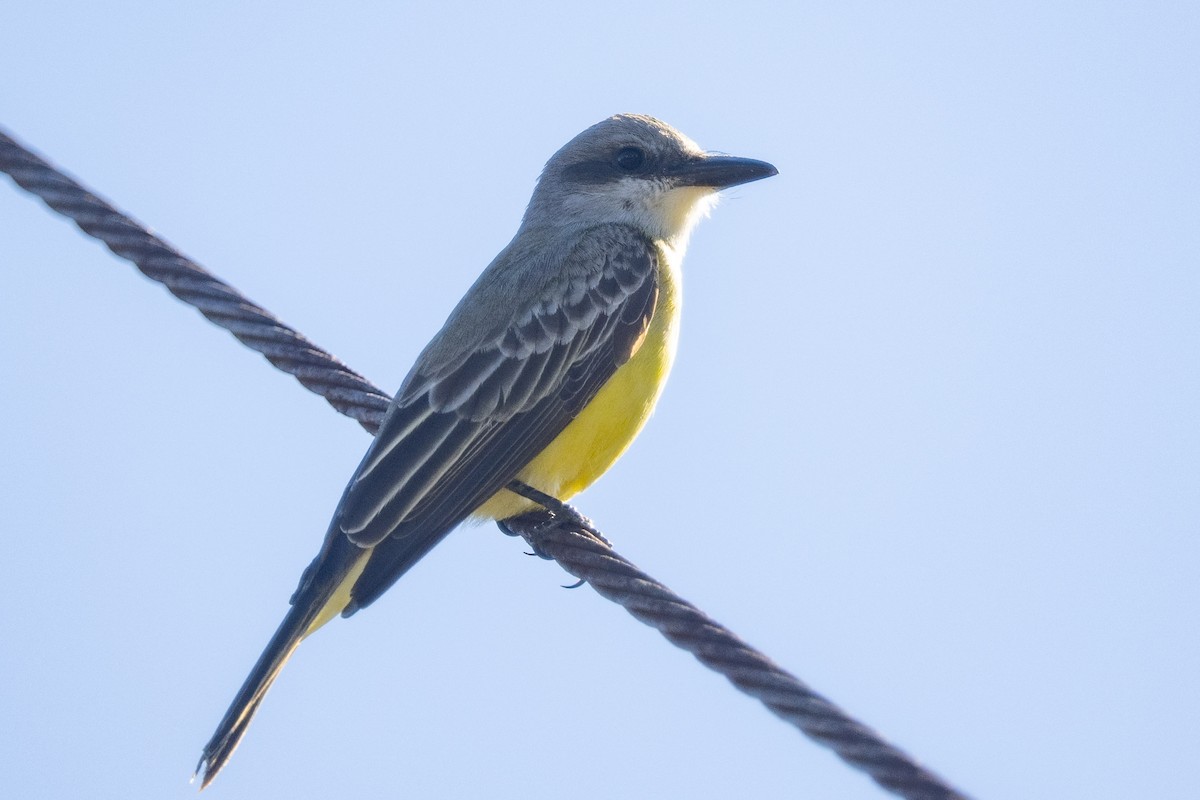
(465, 427)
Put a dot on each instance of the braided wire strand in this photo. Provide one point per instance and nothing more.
(286, 348)
(575, 550)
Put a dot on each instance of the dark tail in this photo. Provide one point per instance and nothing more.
(320, 584)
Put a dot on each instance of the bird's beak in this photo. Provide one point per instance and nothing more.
(721, 172)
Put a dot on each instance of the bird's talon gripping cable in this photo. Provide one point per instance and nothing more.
(557, 513)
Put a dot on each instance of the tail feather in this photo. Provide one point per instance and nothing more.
(324, 591)
(233, 725)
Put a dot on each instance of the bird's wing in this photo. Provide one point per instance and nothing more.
(461, 431)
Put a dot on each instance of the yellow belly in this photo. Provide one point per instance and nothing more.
(608, 425)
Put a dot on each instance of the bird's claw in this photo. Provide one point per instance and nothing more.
(534, 525)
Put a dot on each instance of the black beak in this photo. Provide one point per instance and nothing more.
(721, 172)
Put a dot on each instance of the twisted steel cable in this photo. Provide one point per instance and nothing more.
(574, 548)
(285, 347)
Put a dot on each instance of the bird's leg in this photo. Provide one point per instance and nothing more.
(559, 511)
(553, 513)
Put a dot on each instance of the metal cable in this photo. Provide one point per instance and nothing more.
(286, 348)
(578, 552)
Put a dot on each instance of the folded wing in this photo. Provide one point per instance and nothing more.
(461, 430)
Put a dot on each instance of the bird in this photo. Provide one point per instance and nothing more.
(540, 378)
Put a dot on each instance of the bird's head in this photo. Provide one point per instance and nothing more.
(636, 170)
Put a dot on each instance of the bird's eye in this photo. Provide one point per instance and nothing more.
(630, 159)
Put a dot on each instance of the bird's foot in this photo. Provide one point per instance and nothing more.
(552, 514)
(534, 525)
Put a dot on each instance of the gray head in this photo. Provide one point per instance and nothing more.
(636, 170)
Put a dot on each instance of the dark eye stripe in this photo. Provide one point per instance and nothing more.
(591, 172)
(626, 161)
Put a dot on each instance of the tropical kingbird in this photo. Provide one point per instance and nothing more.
(544, 373)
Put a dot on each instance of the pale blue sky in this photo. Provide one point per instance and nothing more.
(932, 440)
